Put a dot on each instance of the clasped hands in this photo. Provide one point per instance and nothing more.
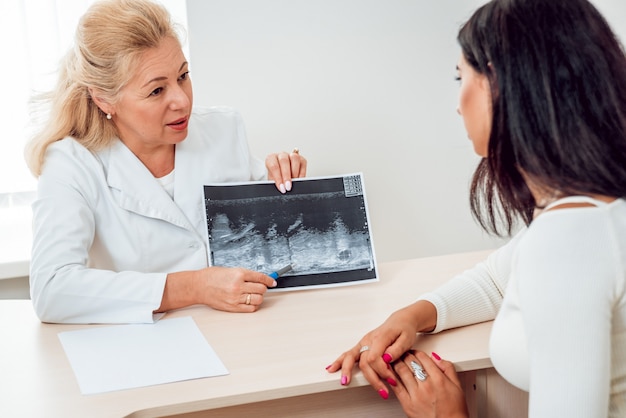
(426, 386)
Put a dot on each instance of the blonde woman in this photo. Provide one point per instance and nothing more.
(119, 216)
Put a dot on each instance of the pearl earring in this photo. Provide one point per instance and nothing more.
(108, 116)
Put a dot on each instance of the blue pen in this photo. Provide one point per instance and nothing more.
(275, 275)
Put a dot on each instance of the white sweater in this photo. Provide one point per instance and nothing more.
(560, 330)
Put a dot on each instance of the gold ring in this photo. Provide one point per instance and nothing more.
(295, 151)
(248, 299)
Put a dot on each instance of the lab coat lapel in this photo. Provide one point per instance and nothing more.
(138, 191)
(191, 168)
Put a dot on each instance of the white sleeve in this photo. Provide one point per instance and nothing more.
(566, 270)
(63, 287)
(476, 294)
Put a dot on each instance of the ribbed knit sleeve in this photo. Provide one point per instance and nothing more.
(476, 294)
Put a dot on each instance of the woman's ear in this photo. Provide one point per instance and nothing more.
(100, 101)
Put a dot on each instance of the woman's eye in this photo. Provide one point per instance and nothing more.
(457, 78)
(156, 91)
(184, 76)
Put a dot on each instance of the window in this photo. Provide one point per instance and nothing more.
(34, 35)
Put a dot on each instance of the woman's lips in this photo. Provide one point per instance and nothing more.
(179, 124)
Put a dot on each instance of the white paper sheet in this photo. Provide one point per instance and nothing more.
(120, 357)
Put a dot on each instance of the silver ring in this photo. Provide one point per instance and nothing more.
(418, 371)
(248, 299)
(364, 348)
(296, 151)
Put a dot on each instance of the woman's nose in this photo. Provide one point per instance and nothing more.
(179, 98)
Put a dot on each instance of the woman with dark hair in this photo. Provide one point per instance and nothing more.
(543, 99)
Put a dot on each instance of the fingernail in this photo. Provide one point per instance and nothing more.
(344, 380)
(328, 367)
(288, 186)
(391, 381)
(282, 188)
(435, 356)
(276, 284)
(387, 358)
(383, 393)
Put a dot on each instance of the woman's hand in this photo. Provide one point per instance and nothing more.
(222, 288)
(233, 289)
(282, 167)
(434, 391)
(381, 346)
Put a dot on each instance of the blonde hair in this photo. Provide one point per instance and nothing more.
(110, 38)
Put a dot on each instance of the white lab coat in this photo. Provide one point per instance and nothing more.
(106, 233)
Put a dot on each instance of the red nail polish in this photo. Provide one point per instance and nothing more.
(391, 381)
(435, 356)
(387, 358)
(383, 393)
(344, 380)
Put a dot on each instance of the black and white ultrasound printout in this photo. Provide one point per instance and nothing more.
(321, 228)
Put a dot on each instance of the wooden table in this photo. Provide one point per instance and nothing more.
(276, 356)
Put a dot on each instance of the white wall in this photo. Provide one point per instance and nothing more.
(14, 288)
(357, 85)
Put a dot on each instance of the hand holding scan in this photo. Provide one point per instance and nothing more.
(234, 289)
(282, 167)
(222, 288)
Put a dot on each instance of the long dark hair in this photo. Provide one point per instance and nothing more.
(558, 84)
